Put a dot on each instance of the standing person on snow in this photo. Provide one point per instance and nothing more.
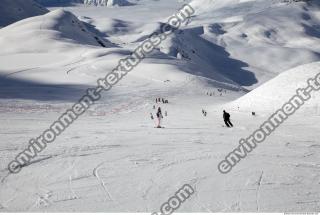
(159, 116)
(226, 118)
(204, 113)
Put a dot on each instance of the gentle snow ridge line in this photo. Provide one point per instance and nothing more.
(269, 126)
(94, 94)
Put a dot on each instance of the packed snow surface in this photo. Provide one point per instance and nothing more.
(113, 159)
(270, 95)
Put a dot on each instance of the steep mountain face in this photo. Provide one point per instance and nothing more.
(56, 30)
(13, 11)
(264, 38)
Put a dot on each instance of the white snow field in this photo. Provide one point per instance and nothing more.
(112, 158)
(280, 89)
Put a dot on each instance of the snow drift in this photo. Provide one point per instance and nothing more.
(14, 10)
(274, 93)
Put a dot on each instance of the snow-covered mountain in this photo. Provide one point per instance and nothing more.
(268, 37)
(112, 158)
(108, 3)
(56, 28)
(14, 10)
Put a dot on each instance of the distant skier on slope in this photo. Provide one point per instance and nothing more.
(226, 118)
(159, 116)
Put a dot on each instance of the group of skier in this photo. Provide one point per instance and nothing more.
(159, 117)
(225, 115)
(220, 92)
(204, 113)
(159, 114)
(164, 101)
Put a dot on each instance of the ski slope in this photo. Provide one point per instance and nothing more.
(281, 89)
(112, 159)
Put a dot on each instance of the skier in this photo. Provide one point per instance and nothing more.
(154, 107)
(159, 116)
(226, 118)
(204, 112)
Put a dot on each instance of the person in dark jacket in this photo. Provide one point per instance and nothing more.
(159, 116)
(226, 118)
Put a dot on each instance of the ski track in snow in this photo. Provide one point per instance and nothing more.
(258, 191)
(96, 174)
(112, 159)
